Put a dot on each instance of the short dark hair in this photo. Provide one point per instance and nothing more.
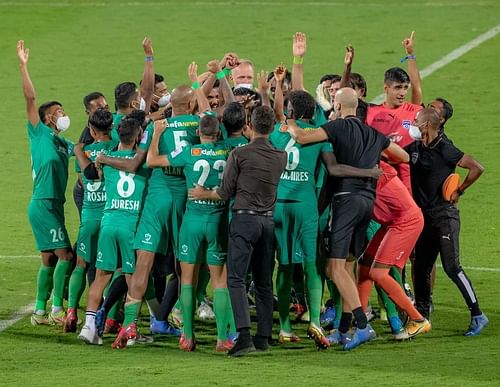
(234, 117)
(303, 104)
(209, 125)
(124, 93)
(159, 78)
(447, 112)
(330, 77)
(128, 130)
(91, 97)
(42, 110)
(263, 119)
(358, 82)
(140, 116)
(396, 75)
(101, 119)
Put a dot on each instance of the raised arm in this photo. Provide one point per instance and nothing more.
(395, 154)
(122, 164)
(299, 48)
(263, 88)
(279, 76)
(229, 62)
(201, 98)
(413, 73)
(475, 171)
(343, 170)
(148, 77)
(345, 81)
(28, 89)
(154, 159)
(305, 137)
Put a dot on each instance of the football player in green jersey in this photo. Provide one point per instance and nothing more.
(94, 199)
(49, 159)
(124, 197)
(234, 120)
(203, 232)
(296, 214)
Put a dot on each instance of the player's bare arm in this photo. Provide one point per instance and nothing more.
(229, 61)
(123, 164)
(413, 73)
(201, 193)
(148, 77)
(299, 49)
(201, 98)
(279, 76)
(263, 88)
(28, 89)
(475, 171)
(154, 159)
(343, 170)
(305, 136)
(395, 154)
(348, 59)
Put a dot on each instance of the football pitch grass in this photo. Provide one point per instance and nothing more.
(81, 46)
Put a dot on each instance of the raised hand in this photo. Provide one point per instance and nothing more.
(230, 60)
(213, 66)
(193, 72)
(160, 127)
(147, 45)
(279, 73)
(408, 44)
(299, 45)
(263, 84)
(349, 55)
(22, 52)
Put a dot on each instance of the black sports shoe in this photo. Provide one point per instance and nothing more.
(261, 343)
(242, 347)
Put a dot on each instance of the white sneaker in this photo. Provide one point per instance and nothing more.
(205, 312)
(90, 336)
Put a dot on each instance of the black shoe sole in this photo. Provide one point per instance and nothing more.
(242, 351)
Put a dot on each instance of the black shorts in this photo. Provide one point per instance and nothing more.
(351, 214)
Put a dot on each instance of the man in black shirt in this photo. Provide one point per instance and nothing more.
(432, 160)
(357, 145)
(251, 175)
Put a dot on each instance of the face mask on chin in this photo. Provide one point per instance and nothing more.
(142, 104)
(415, 133)
(164, 100)
(62, 123)
(245, 85)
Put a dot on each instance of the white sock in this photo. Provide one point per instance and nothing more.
(56, 309)
(90, 319)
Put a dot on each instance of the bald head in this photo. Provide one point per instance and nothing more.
(428, 115)
(347, 98)
(181, 95)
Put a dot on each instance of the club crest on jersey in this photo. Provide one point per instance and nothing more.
(196, 152)
(414, 157)
(406, 124)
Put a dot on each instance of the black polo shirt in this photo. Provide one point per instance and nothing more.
(85, 137)
(357, 145)
(430, 165)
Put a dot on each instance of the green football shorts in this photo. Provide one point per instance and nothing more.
(46, 217)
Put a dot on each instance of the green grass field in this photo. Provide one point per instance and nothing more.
(79, 46)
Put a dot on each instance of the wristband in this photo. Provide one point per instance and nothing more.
(298, 60)
(149, 58)
(195, 85)
(220, 74)
(407, 57)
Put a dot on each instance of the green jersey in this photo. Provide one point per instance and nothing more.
(298, 180)
(180, 133)
(94, 196)
(235, 142)
(50, 154)
(318, 117)
(124, 191)
(146, 137)
(203, 165)
(117, 118)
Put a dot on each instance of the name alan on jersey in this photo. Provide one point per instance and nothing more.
(295, 176)
(122, 204)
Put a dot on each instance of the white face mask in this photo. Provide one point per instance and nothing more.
(142, 105)
(164, 100)
(415, 132)
(246, 85)
(62, 123)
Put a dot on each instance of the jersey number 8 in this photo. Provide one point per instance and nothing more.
(126, 184)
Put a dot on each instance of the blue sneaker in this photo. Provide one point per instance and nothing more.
(359, 337)
(328, 316)
(233, 336)
(477, 324)
(338, 338)
(100, 321)
(395, 324)
(158, 327)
